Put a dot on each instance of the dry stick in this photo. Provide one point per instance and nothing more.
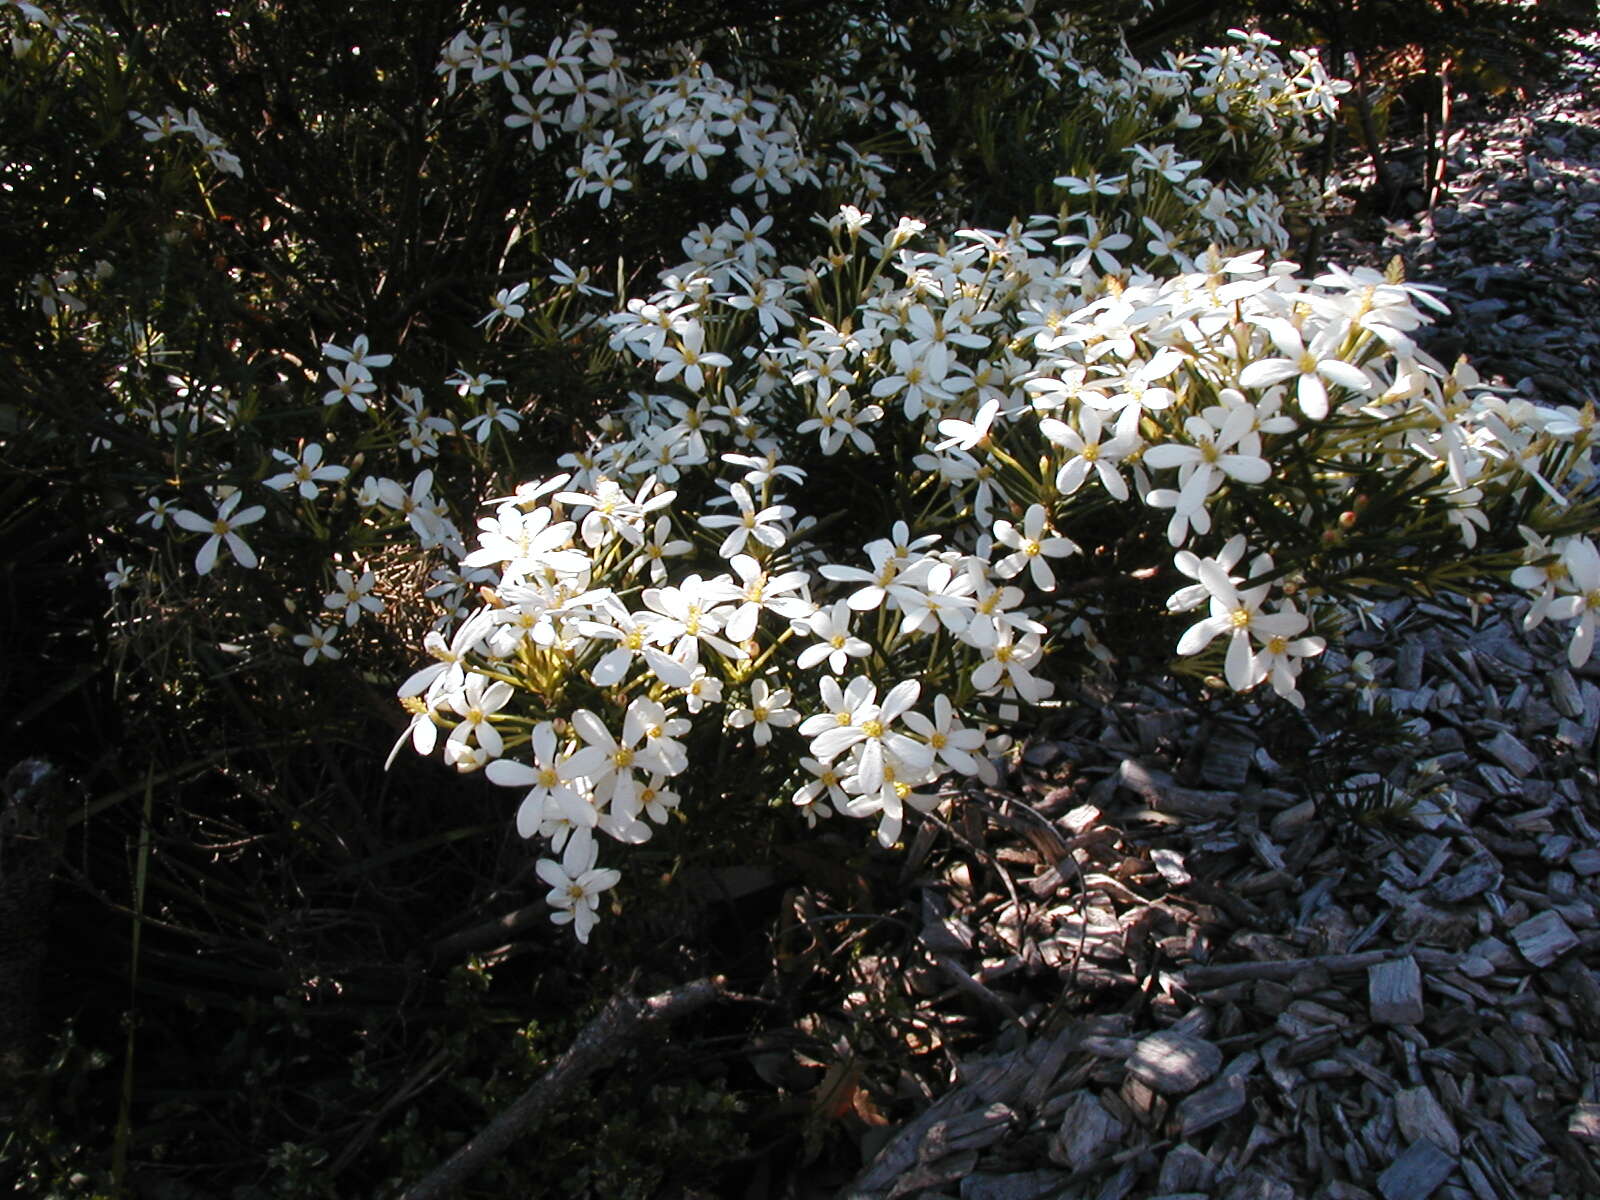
(600, 1041)
(1442, 134)
(1369, 132)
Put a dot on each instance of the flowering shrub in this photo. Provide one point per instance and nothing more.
(853, 538)
(861, 486)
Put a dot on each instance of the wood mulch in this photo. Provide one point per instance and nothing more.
(1268, 985)
(1220, 976)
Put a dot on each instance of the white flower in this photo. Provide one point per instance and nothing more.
(1215, 456)
(448, 673)
(953, 743)
(1278, 658)
(1031, 548)
(689, 358)
(222, 528)
(768, 710)
(869, 736)
(1583, 605)
(889, 797)
(478, 700)
(702, 690)
(494, 414)
(353, 594)
(693, 612)
(551, 808)
(636, 634)
(783, 594)
(575, 887)
(352, 383)
(1546, 574)
(764, 525)
(357, 355)
(1311, 367)
(658, 802)
(657, 548)
(813, 796)
(318, 643)
(660, 730)
(608, 764)
(837, 645)
(935, 593)
(837, 421)
(119, 578)
(304, 473)
(505, 304)
(1090, 451)
(1096, 247)
(886, 569)
(1237, 613)
(919, 375)
(156, 516)
(1008, 669)
(612, 512)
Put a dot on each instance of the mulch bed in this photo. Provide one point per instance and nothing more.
(1215, 975)
(1267, 986)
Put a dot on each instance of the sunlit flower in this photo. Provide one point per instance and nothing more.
(318, 643)
(769, 709)
(223, 528)
(1031, 548)
(576, 884)
(305, 473)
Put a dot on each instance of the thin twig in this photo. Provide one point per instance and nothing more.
(600, 1041)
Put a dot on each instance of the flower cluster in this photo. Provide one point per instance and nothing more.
(1205, 144)
(173, 123)
(869, 484)
(1011, 422)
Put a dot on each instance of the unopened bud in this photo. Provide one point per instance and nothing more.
(1347, 520)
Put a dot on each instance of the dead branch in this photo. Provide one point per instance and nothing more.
(597, 1044)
